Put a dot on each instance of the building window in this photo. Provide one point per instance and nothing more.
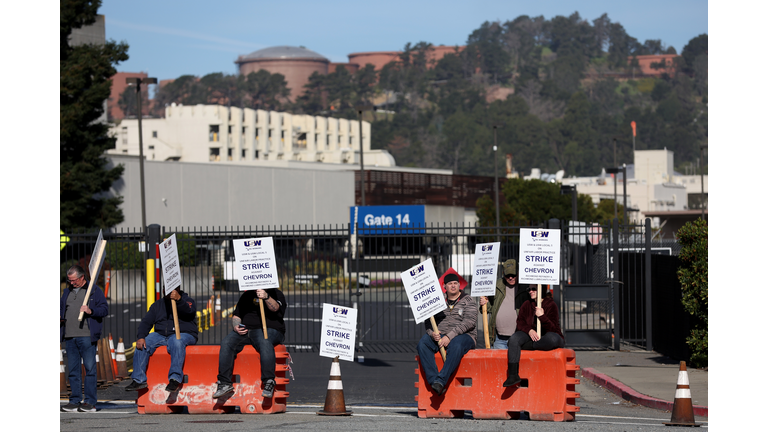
(213, 133)
(229, 129)
(213, 154)
(154, 134)
(229, 154)
(242, 154)
(257, 133)
(151, 147)
(255, 154)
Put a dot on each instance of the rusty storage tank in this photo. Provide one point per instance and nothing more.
(295, 63)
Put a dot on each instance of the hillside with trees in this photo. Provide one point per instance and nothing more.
(573, 87)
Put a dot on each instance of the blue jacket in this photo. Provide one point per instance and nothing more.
(160, 315)
(99, 309)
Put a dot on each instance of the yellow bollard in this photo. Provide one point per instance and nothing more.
(199, 322)
(205, 319)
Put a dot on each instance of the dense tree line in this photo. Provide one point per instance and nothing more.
(573, 93)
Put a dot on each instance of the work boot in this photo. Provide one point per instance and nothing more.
(513, 375)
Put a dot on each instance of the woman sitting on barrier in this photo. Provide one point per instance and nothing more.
(525, 337)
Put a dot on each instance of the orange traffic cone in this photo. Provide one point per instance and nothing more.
(122, 365)
(114, 361)
(334, 397)
(682, 410)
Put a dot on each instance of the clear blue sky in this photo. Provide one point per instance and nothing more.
(170, 38)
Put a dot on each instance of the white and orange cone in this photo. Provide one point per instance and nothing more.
(334, 397)
(114, 360)
(682, 410)
(122, 365)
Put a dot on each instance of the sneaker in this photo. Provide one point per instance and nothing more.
(269, 388)
(172, 386)
(85, 407)
(70, 407)
(135, 386)
(223, 389)
(438, 388)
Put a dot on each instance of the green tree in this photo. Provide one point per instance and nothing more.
(535, 201)
(695, 47)
(693, 274)
(266, 91)
(129, 104)
(85, 81)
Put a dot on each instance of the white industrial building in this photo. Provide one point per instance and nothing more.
(220, 134)
(652, 185)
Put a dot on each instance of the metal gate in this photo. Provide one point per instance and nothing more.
(604, 300)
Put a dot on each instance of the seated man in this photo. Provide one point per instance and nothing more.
(457, 333)
(247, 328)
(160, 315)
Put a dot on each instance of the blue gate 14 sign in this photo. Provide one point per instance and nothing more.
(390, 218)
(539, 256)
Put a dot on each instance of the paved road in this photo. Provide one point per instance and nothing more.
(380, 391)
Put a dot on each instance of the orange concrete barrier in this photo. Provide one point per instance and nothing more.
(200, 370)
(546, 393)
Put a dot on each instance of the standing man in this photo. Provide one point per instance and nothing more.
(81, 337)
(247, 328)
(160, 316)
(504, 305)
(457, 333)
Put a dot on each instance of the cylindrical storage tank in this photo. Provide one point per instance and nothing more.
(295, 63)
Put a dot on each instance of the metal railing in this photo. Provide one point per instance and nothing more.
(343, 266)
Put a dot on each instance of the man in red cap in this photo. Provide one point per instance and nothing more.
(457, 333)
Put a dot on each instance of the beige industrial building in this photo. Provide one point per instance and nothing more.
(219, 134)
(653, 187)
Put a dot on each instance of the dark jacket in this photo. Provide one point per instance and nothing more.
(160, 315)
(248, 310)
(550, 321)
(99, 309)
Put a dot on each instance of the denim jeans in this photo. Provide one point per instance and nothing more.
(455, 350)
(499, 343)
(81, 348)
(521, 340)
(234, 342)
(177, 349)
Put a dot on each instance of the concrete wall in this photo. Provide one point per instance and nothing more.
(198, 195)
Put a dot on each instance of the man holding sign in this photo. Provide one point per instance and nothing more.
(247, 328)
(457, 333)
(81, 336)
(160, 315)
(258, 316)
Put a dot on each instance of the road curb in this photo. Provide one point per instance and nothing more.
(627, 393)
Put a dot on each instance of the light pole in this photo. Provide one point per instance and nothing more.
(360, 109)
(615, 172)
(138, 82)
(496, 182)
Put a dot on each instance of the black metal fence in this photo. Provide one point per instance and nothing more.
(342, 266)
